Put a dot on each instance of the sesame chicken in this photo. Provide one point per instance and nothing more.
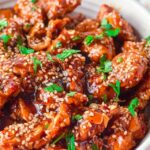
(71, 82)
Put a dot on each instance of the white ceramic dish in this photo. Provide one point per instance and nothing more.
(136, 15)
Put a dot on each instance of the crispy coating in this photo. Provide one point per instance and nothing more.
(57, 8)
(55, 87)
(28, 12)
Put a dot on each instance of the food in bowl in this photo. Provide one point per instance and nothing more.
(71, 82)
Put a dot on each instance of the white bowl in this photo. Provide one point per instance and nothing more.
(136, 15)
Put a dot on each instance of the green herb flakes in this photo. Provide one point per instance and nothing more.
(120, 59)
(132, 106)
(33, 1)
(112, 32)
(58, 44)
(70, 139)
(58, 139)
(53, 87)
(49, 57)
(76, 117)
(75, 38)
(3, 23)
(36, 64)
(105, 65)
(89, 40)
(116, 87)
(71, 94)
(147, 41)
(105, 24)
(5, 38)
(66, 53)
(24, 50)
(94, 147)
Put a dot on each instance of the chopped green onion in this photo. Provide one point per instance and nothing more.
(58, 139)
(66, 53)
(3, 23)
(94, 147)
(105, 65)
(36, 63)
(89, 40)
(71, 94)
(70, 139)
(76, 38)
(132, 106)
(77, 117)
(105, 24)
(33, 1)
(112, 32)
(58, 44)
(116, 87)
(49, 57)
(53, 87)
(24, 50)
(99, 37)
(19, 40)
(27, 26)
(120, 59)
(104, 98)
(147, 41)
(5, 38)
(46, 126)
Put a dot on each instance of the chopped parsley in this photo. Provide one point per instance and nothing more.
(36, 63)
(89, 40)
(94, 147)
(105, 24)
(27, 26)
(147, 41)
(58, 44)
(71, 94)
(112, 32)
(132, 106)
(24, 50)
(75, 38)
(53, 87)
(5, 38)
(76, 117)
(66, 53)
(3, 23)
(33, 1)
(46, 126)
(109, 30)
(120, 59)
(19, 40)
(99, 37)
(105, 65)
(104, 98)
(116, 88)
(49, 57)
(70, 139)
(58, 139)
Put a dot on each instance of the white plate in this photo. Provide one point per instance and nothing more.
(136, 15)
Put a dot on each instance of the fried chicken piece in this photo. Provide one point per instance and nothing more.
(37, 132)
(99, 47)
(129, 72)
(65, 40)
(6, 13)
(114, 18)
(90, 144)
(26, 76)
(87, 25)
(126, 130)
(143, 91)
(15, 37)
(94, 121)
(28, 12)
(22, 110)
(58, 8)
